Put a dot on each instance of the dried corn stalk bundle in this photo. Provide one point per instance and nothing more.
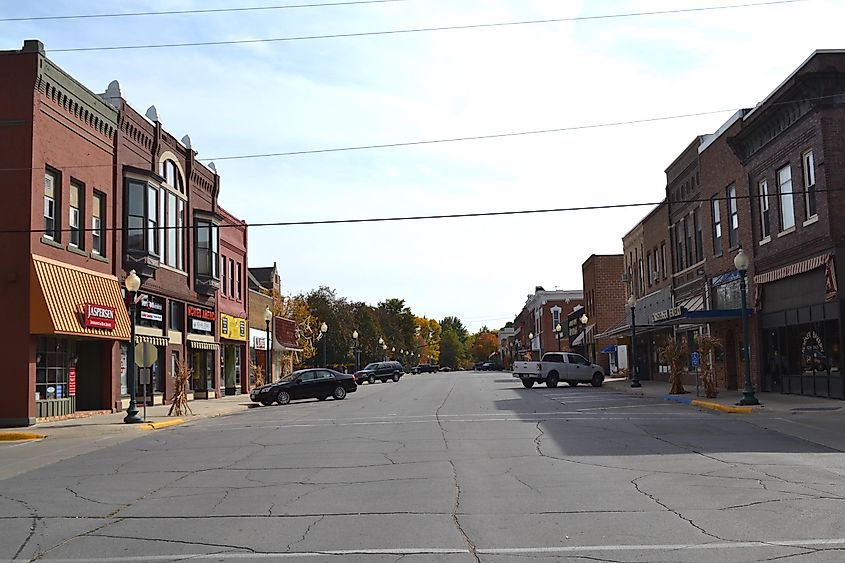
(181, 378)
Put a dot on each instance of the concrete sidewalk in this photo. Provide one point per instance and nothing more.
(770, 403)
(64, 439)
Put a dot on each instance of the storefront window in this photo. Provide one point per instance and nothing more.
(176, 318)
(54, 357)
(124, 354)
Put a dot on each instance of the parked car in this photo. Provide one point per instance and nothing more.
(425, 368)
(444, 368)
(489, 366)
(318, 383)
(383, 371)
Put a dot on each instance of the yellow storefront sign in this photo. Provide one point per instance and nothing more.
(232, 328)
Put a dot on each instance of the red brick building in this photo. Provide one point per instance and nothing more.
(233, 305)
(535, 325)
(58, 288)
(605, 295)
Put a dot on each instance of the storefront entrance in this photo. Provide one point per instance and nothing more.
(70, 375)
(202, 378)
(230, 368)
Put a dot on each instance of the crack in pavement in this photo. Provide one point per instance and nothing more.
(305, 534)
(672, 510)
(33, 514)
(174, 541)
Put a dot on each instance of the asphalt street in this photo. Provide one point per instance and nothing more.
(439, 468)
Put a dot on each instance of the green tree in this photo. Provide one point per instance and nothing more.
(455, 324)
(484, 344)
(451, 349)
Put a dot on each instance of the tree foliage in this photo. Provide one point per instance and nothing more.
(455, 325)
(484, 344)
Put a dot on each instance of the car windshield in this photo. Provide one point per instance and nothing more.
(371, 366)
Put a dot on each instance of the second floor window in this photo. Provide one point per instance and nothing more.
(699, 238)
(52, 190)
(765, 233)
(733, 218)
(239, 281)
(717, 227)
(98, 213)
(207, 254)
(787, 205)
(663, 259)
(679, 245)
(688, 241)
(142, 218)
(810, 184)
(231, 278)
(77, 197)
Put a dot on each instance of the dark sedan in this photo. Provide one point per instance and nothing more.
(319, 383)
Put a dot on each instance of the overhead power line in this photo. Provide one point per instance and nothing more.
(348, 221)
(434, 141)
(419, 29)
(186, 12)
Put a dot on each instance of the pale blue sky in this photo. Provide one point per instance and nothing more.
(287, 96)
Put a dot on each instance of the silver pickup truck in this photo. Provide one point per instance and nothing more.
(559, 366)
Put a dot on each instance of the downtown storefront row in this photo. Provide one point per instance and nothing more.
(79, 332)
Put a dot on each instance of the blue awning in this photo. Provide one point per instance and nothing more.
(609, 350)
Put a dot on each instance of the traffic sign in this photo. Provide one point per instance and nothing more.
(145, 354)
(695, 358)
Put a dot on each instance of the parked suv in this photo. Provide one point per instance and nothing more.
(425, 368)
(383, 371)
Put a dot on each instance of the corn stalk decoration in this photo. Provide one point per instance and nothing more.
(179, 406)
(257, 374)
(676, 351)
(706, 345)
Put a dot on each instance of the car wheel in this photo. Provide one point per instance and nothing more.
(598, 379)
(371, 379)
(551, 380)
(283, 397)
(572, 383)
(266, 403)
(396, 377)
(339, 393)
(528, 383)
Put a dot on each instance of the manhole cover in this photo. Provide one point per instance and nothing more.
(804, 409)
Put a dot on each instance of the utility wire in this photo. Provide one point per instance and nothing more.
(439, 216)
(443, 140)
(419, 29)
(204, 11)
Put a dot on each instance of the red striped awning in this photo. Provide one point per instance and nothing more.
(825, 260)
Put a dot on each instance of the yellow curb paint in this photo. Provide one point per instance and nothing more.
(19, 436)
(721, 408)
(163, 424)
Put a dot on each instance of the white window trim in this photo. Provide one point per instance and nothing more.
(811, 220)
(809, 171)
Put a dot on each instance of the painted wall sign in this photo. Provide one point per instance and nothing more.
(71, 382)
(200, 325)
(99, 316)
(200, 313)
(673, 313)
(233, 328)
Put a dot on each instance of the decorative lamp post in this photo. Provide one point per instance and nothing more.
(584, 320)
(558, 333)
(383, 349)
(748, 398)
(324, 328)
(531, 344)
(268, 316)
(393, 352)
(132, 284)
(635, 376)
(357, 351)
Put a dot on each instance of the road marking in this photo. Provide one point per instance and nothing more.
(818, 542)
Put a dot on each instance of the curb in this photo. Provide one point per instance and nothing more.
(708, 405)
(163, 424)
(19, 436)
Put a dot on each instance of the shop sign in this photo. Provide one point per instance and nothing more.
(201, 319)
(673, 313)
(200, 325)
(233, 328)
(71, 382)
(99, 316)
(152, 309)
(285, 332)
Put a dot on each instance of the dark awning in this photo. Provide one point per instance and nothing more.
(704, 316)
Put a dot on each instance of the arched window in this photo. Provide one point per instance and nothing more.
(172, 176)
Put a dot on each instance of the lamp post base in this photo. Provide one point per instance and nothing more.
(748, 399)
(132, 415)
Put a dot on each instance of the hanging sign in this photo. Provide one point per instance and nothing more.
(71, 382)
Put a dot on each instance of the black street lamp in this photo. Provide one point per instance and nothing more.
(324, 328)
(635, 376)
(357, 351)
(558, 333)
(132, 284)
(748, 398)
(268, 316)
(584, 320)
